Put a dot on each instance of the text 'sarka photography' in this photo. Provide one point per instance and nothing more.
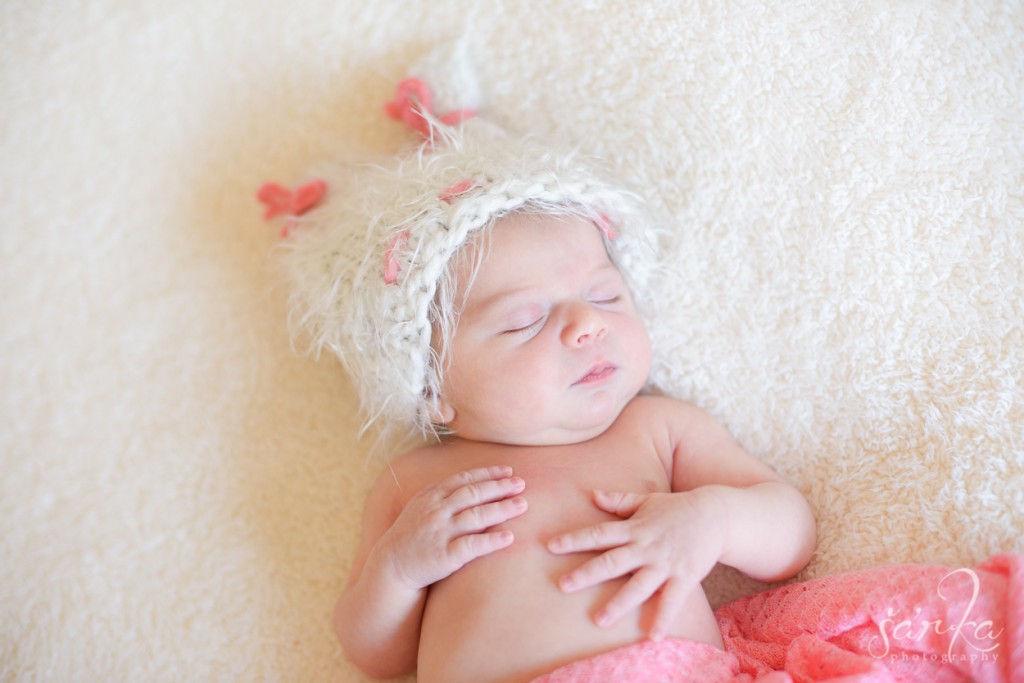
(912, 637)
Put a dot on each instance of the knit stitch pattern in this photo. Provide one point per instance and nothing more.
(365, 265)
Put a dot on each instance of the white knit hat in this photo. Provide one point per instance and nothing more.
(365, 264)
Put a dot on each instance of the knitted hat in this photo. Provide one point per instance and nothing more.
(366, 263)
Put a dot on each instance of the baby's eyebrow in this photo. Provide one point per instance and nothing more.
(604, 267)
(497, 298)
(501, 296)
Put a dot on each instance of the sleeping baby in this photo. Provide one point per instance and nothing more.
(487, 294)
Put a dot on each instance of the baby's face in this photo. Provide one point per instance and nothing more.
(549, 348)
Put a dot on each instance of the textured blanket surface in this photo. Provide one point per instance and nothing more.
(181, 492)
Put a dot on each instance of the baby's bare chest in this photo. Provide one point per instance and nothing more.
(520, 582)
(560, 481)
(579, 474)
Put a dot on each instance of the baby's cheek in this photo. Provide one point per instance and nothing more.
(639, 345)
(532, 386)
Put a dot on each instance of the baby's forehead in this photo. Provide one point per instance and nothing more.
(536, 232)
(524, 253)
(532, 235)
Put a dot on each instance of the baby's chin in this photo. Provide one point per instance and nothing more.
(601, 412)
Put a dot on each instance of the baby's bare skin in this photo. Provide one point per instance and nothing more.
(489, 562)
(503, 617)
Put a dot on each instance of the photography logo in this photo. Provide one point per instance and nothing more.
(969, 638)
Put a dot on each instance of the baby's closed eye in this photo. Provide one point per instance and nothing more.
(523, 320)
(525, 329)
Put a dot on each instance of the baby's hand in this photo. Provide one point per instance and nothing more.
(444, 526)
(668, 541)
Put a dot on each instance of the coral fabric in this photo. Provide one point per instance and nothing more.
(665, 661)
(899, 624)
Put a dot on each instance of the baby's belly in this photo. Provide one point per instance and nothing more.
(503, 619)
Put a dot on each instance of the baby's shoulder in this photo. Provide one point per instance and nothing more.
(650, 409)
(410, 471)
(409, 465)
(668, 421)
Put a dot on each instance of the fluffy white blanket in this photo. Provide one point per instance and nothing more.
(181, 493)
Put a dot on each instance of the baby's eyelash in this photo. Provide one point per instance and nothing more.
(526, 328)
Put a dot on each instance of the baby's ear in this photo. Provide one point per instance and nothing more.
(441, 412)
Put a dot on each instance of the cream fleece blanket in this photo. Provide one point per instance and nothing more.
(181, 493)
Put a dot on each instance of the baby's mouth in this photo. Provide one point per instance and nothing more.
(599, 372)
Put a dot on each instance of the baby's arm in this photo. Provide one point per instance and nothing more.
(767, 525)
(725, 506)
(404, 551)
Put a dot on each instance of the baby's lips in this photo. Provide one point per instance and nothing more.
(598, 372)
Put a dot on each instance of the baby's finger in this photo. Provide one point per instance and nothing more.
(481, 517)
(468, 477)
(464, 549)
(609, 565)
(635, 592)
(670, 603)
(617, 503)
(483, 491)
(597, 537)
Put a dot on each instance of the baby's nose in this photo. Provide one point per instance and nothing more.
(583, 325)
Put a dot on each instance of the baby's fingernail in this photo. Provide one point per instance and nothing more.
(565, 583)
(603, 618)
(657, 633)
(555, 544)
(517, 481)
